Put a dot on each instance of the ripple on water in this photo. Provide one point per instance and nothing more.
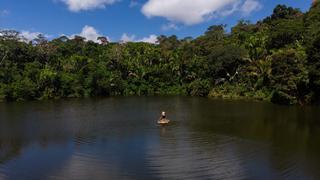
(290, 169)
(200, 156)
(83, 165)
(80, 140)
(118, 139)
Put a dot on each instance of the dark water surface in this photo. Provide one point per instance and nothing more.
(117, 138)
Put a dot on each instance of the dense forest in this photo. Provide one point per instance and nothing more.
(276, 59)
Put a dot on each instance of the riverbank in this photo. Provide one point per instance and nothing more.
(220, 92)
(275, 59)
(241, 92)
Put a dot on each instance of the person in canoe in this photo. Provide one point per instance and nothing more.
(163, 119)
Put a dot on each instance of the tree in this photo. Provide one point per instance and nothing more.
(314, 67)
(289, 76)
(285, 32)
(225, 61)
(40, 40)
(9, 35)
(216, 32)
(274, 59)
(283, 12)
(103, 40)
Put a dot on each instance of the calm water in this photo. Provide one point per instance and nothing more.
(117, 138)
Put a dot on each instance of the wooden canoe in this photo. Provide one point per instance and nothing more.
(163, 121)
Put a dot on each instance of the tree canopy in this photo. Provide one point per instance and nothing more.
(276, 59)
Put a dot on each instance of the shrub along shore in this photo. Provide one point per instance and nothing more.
(276, 59)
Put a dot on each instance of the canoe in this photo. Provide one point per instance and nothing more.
(164, 122)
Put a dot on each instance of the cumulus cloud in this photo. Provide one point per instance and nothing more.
(230, 10)
(250, 6)
(127, 38)
(192, 12)
(90, 34)
(79, 5)
(151, 39)
(132, 38)
(30, 36)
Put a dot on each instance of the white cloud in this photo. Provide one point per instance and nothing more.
(232, 9)
(132, 38)
(192, 12)
(78, 5)
(127, 38)
(90, 33)
(29, 36)
(250, 6)
(151, 39)
(169, 26)
(26, 36)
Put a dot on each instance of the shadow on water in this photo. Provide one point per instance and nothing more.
(119, 138)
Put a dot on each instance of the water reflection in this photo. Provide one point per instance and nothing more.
(117, 138)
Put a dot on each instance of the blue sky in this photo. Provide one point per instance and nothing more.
(131, 20)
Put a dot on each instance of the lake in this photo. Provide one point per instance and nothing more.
(118, 138)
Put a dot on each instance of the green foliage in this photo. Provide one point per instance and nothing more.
(276, 59)
(225, 60)
(199, 88)
(256, 44)
(314, 67)
(283, 98)
(289, 75)
(285, 32)
(24, 90)
(283, 12)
